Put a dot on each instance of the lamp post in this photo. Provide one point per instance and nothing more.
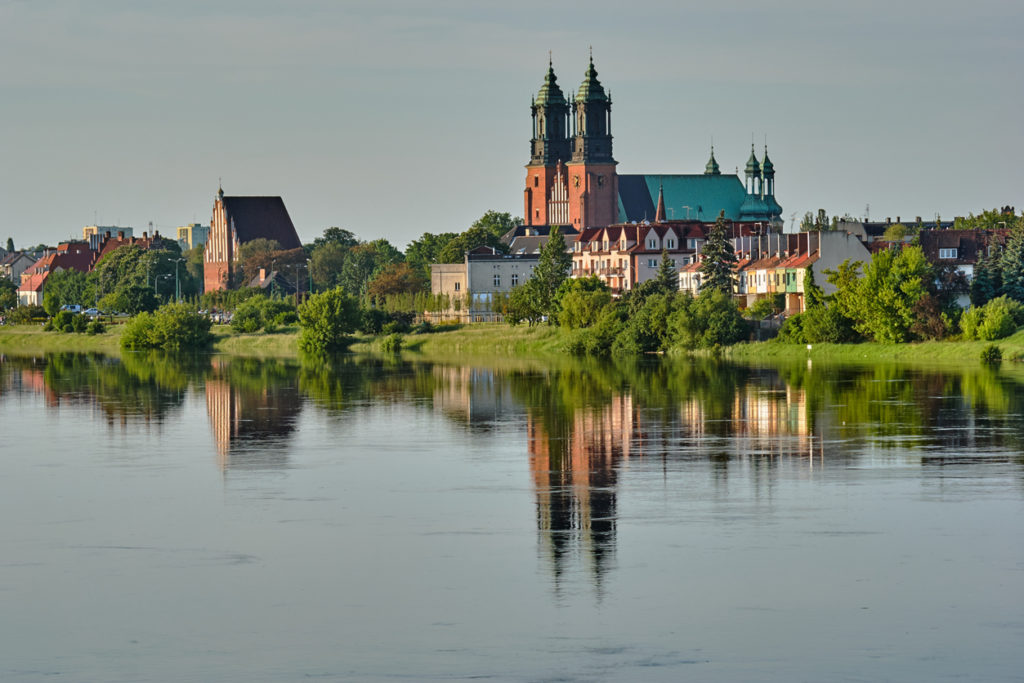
(309, 275)
(156, 289)
(177, 284)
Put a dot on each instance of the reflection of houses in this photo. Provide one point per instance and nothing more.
(474, 395)
(575, 480)
(251, 426)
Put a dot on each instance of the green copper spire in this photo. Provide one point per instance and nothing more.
(549, 93)
(712, 166)
(767, 167)
(753, 168)
(591, 89)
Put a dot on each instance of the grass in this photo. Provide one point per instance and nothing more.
(959, 352)
(483, 339)
(25, 339)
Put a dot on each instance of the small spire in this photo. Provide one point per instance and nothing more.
(659, 214)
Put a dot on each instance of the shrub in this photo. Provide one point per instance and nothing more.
(372, 321)
(248, 316)
(712, 319)
(424, 327)
(173, 327)
(991, 354)
(96, 327)
(23, 315)
(999, 318)
(391, 343)
(326, 319)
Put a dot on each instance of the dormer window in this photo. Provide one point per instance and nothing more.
(605, 245)
(652, 244)
(671, 243)
(947, 253)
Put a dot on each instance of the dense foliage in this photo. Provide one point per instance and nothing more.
(173, 327)
(327, 318)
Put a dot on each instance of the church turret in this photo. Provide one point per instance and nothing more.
(768, 186)
(753, 173)
(592, 124)
(550, 142)
(712, 165)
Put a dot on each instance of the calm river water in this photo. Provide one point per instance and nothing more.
(223, 519)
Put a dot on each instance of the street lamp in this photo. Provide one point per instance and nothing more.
(156, 290)
(177, 285)
(309, 275)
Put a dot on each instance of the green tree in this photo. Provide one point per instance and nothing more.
(8, 293)
(10, 244)
(814, 295)
(394, 279)
(327, 263)
(987, 282)
(581, 301)
(668, 275)
(552, 270)
(364, 261)
(174, 327)
(1012, 265)
(717, 267)
(454, 251)
(68, 288)
(326, 319)
(421, 253)
(497, 223)
(882, 304)
(337, 236)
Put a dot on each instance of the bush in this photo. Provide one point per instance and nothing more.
(710, 320)
(248, 316)
(96, 327)
(992, 355)
(391, 343)
(173, 327)
(999, 318)
(326, 319)
(424, 327)
(23, 315)
(372, 321)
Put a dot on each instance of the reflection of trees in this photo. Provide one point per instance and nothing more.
(135, 388)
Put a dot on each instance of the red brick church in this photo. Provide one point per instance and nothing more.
(237, 220)
(572, 180)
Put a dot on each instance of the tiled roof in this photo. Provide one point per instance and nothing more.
(262, 217)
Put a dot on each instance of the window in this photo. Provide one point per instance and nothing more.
(604, 245)
(458, 286)
(671, 244)
(515, 279)
(652, 263)
(691, 243)
(652, 244)
(947, 253)
(497, 279)
(536, 181)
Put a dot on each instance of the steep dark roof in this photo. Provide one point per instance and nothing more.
(262, 217)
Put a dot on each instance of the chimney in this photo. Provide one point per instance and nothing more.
(120, 234)
(263, 274)
(888, 220)
(145, 235)
(898, 219)
(108, 234)
(918, 220)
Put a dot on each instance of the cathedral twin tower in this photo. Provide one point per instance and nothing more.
(571, 177)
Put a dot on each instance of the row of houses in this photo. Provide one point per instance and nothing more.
(31, 271)
(624, 256)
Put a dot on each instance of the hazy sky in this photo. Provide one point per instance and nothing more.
(395, 118)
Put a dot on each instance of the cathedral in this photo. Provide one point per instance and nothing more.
(572, 180)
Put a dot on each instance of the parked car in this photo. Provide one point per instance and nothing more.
(91, 312)
(74, 308)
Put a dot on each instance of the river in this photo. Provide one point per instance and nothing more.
(227, 519)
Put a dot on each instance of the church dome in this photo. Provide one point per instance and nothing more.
(550, 93)
(591, 89)
(753, 168)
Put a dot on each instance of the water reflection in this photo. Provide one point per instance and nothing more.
(580, 423)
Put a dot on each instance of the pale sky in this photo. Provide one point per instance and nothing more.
(392, 118)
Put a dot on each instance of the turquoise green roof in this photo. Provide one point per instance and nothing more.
(549, 93)
(767, 167)
(705, 195)
(591, 89)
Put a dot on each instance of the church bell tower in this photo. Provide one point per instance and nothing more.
(593, 182)
(549, 150)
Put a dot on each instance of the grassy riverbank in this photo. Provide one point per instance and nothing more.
(490, 340)
(960, 352)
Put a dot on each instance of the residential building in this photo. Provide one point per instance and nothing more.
(480, 282)
(90, 232)
(237, 220)
(14, 263)
(193, 235)
(107, 242)
(773, 264)
(67, 256)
